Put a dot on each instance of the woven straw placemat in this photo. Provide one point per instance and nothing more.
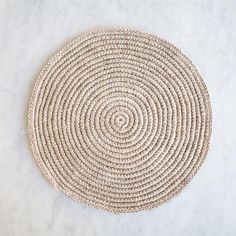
(119, 120)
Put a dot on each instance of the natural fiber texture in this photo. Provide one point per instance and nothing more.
(119, 120)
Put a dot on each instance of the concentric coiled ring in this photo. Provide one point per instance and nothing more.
(119, 120)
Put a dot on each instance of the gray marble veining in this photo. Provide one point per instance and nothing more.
(30, 33)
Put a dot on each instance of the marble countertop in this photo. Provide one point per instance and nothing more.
(30, 33)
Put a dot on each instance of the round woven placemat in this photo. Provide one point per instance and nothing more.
(119, 120)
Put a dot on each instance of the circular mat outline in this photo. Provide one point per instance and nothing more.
(78, 198)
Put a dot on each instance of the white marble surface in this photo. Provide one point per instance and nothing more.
(31, 31)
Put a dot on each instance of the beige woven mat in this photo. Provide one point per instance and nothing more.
(119, 120)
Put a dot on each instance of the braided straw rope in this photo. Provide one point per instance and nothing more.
(119, 120)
